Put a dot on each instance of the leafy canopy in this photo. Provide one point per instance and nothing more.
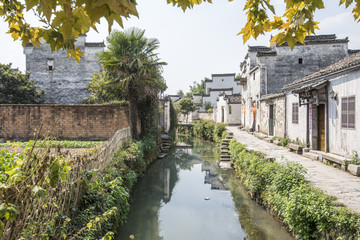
(131, 65)
(17, 88)
(187, 106)
(65, 20)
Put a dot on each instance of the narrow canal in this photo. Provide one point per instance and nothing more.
(186, 196)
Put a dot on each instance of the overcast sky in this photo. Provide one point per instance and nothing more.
(199, 42)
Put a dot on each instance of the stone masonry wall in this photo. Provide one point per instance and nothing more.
(279, 116)
(80, 122)
(67, 81)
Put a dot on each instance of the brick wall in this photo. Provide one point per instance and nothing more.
(81, 122)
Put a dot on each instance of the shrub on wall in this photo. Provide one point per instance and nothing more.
(307, 211)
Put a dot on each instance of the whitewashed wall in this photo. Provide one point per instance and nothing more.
(295, 131)
(344, 141)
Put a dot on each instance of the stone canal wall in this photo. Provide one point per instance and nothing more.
(80, 122)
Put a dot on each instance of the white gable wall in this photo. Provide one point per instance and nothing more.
(344, 141)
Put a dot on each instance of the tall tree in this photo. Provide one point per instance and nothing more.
(64, 20)
(187, 106)
(132, 64)
(17, 88)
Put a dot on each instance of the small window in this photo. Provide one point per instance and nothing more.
(295, 113)
(300, 61)
(348, 112)
(222, 80)
(50, 64)
(229, 109)
(253, 76)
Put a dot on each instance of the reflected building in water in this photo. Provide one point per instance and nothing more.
(212, 177)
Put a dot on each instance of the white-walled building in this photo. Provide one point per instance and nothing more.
(266, 70)
(325, 112)
(228, 109)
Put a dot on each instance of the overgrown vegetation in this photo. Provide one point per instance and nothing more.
(307, 211)
(46, 196)
(173, 121)
(355, 158)
(206, 129)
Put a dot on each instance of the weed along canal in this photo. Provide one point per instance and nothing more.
(186, 196)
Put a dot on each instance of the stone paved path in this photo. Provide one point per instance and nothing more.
(335, 182)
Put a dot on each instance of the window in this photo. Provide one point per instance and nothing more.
(253, 76)
(300, 60)
(348, 112)
(295, 113)
(50, 64)
(229, 109)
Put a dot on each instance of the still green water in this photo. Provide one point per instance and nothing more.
(185, 196)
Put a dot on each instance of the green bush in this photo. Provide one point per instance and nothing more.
(307, 211)
(284, 142)
(220, 128)
(209, 130)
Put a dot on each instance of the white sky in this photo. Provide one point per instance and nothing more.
(199, 42)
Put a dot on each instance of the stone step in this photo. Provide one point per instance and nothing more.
(226, 140)
(231, 134)
(276, 142)
(225, 156)
(162, 155)
(312, 156)
(225, 165)
(225, 144)
(224, 152)
(224, 148)
(268, 139)
(270, 158)
(225, 160)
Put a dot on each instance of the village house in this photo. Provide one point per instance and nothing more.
(64, 80)
(266, 70)
(322, 108)
(220, 83)
(228, 109)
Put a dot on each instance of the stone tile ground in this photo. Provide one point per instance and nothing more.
(342, 185)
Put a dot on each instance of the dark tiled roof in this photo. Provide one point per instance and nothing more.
(94, 44)
(258, 48)
(347, 62)
(223, 75)
(352, 51)
(234, 98)
(265, 54)
(319, 39)
(220, 89)
(272, 95)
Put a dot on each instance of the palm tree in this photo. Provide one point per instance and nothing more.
(132, 63)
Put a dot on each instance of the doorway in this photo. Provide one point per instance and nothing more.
(222, 114)
(271, 120)
(321, 127)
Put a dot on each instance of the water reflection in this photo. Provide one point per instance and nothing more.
(185, 196)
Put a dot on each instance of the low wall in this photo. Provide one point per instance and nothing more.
(81, 122)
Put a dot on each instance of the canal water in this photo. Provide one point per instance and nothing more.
(185, 196)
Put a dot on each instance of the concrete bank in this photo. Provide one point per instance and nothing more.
(342, 185)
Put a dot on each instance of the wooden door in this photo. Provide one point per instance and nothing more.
(321, 127)
(271, 120)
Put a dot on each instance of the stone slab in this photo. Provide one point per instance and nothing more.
(335, 182)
